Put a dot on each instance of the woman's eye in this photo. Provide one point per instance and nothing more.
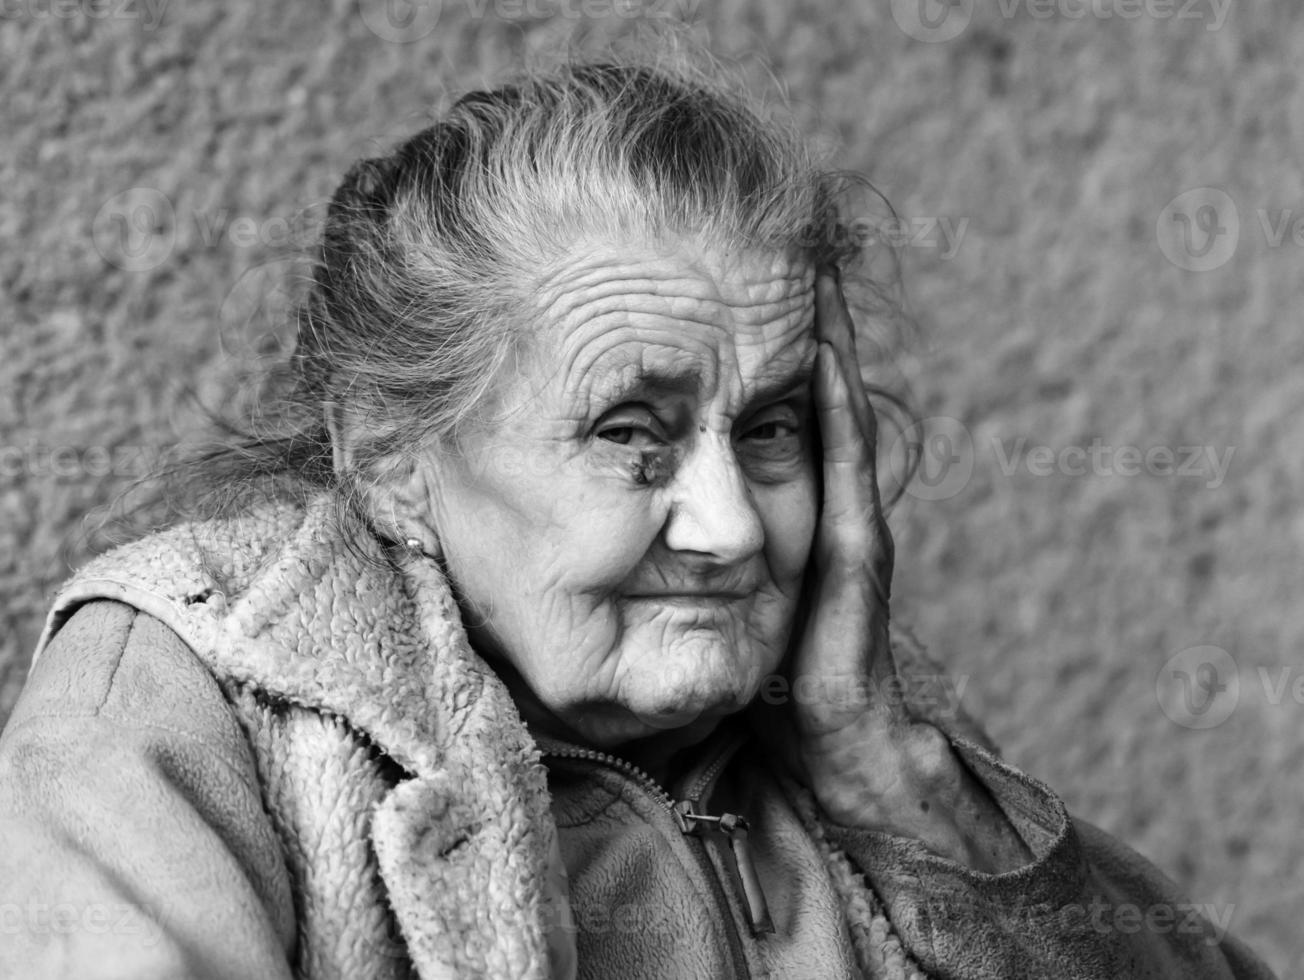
(622, 434)
(770, 430)
(640, 431)
(774, 425)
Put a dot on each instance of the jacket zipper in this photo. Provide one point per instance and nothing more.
(691, 822)
(735, 828)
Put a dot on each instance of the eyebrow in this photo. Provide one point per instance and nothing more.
(648, 383)
(785, 386)
(654, 382)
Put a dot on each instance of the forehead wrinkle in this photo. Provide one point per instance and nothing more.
(582, 363)
(793, 326)
(794, 287)
(569, 298)
(778, 374)
(691, 274)
(747, 319)
(784, 378)
(657, 346)
(612, 309)
(715, 305)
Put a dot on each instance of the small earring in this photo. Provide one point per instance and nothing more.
(417, 549)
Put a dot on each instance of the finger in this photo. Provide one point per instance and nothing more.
(848, 635)
(854, 541)
(848, 469)
(853, 531)
(833, 324)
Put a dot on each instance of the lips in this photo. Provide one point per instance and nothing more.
(689, 598)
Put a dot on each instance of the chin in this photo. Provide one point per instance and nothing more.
(668, 732)
(692, 708)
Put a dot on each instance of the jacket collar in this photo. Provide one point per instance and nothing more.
(287, 603)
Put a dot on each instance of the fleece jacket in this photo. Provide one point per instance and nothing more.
(263, 747)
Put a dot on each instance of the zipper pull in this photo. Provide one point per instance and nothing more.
(735, 828)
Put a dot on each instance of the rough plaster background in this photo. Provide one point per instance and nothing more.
(1058, 320)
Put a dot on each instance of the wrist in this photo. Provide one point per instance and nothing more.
(909, 783)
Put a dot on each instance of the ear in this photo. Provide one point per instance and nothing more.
(396, 494)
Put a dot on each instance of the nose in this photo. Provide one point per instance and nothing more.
(711, 507)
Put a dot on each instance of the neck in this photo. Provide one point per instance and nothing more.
(661, 754)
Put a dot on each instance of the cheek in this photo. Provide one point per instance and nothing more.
(604, 527)
(550, 546)
(789, 513)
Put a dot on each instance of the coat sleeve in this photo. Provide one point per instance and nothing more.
(1084, 908)
(133, 838)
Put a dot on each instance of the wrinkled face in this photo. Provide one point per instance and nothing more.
(630, 532)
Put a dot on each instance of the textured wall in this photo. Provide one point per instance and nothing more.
(1058, 584)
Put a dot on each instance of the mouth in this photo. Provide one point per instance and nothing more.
(689, 598)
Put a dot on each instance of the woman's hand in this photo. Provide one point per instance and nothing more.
(870, 764)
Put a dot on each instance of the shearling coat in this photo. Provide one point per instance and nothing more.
(322, 779)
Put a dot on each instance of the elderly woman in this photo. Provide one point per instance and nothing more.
(555, 641)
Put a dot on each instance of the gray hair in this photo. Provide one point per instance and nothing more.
(423, 282)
